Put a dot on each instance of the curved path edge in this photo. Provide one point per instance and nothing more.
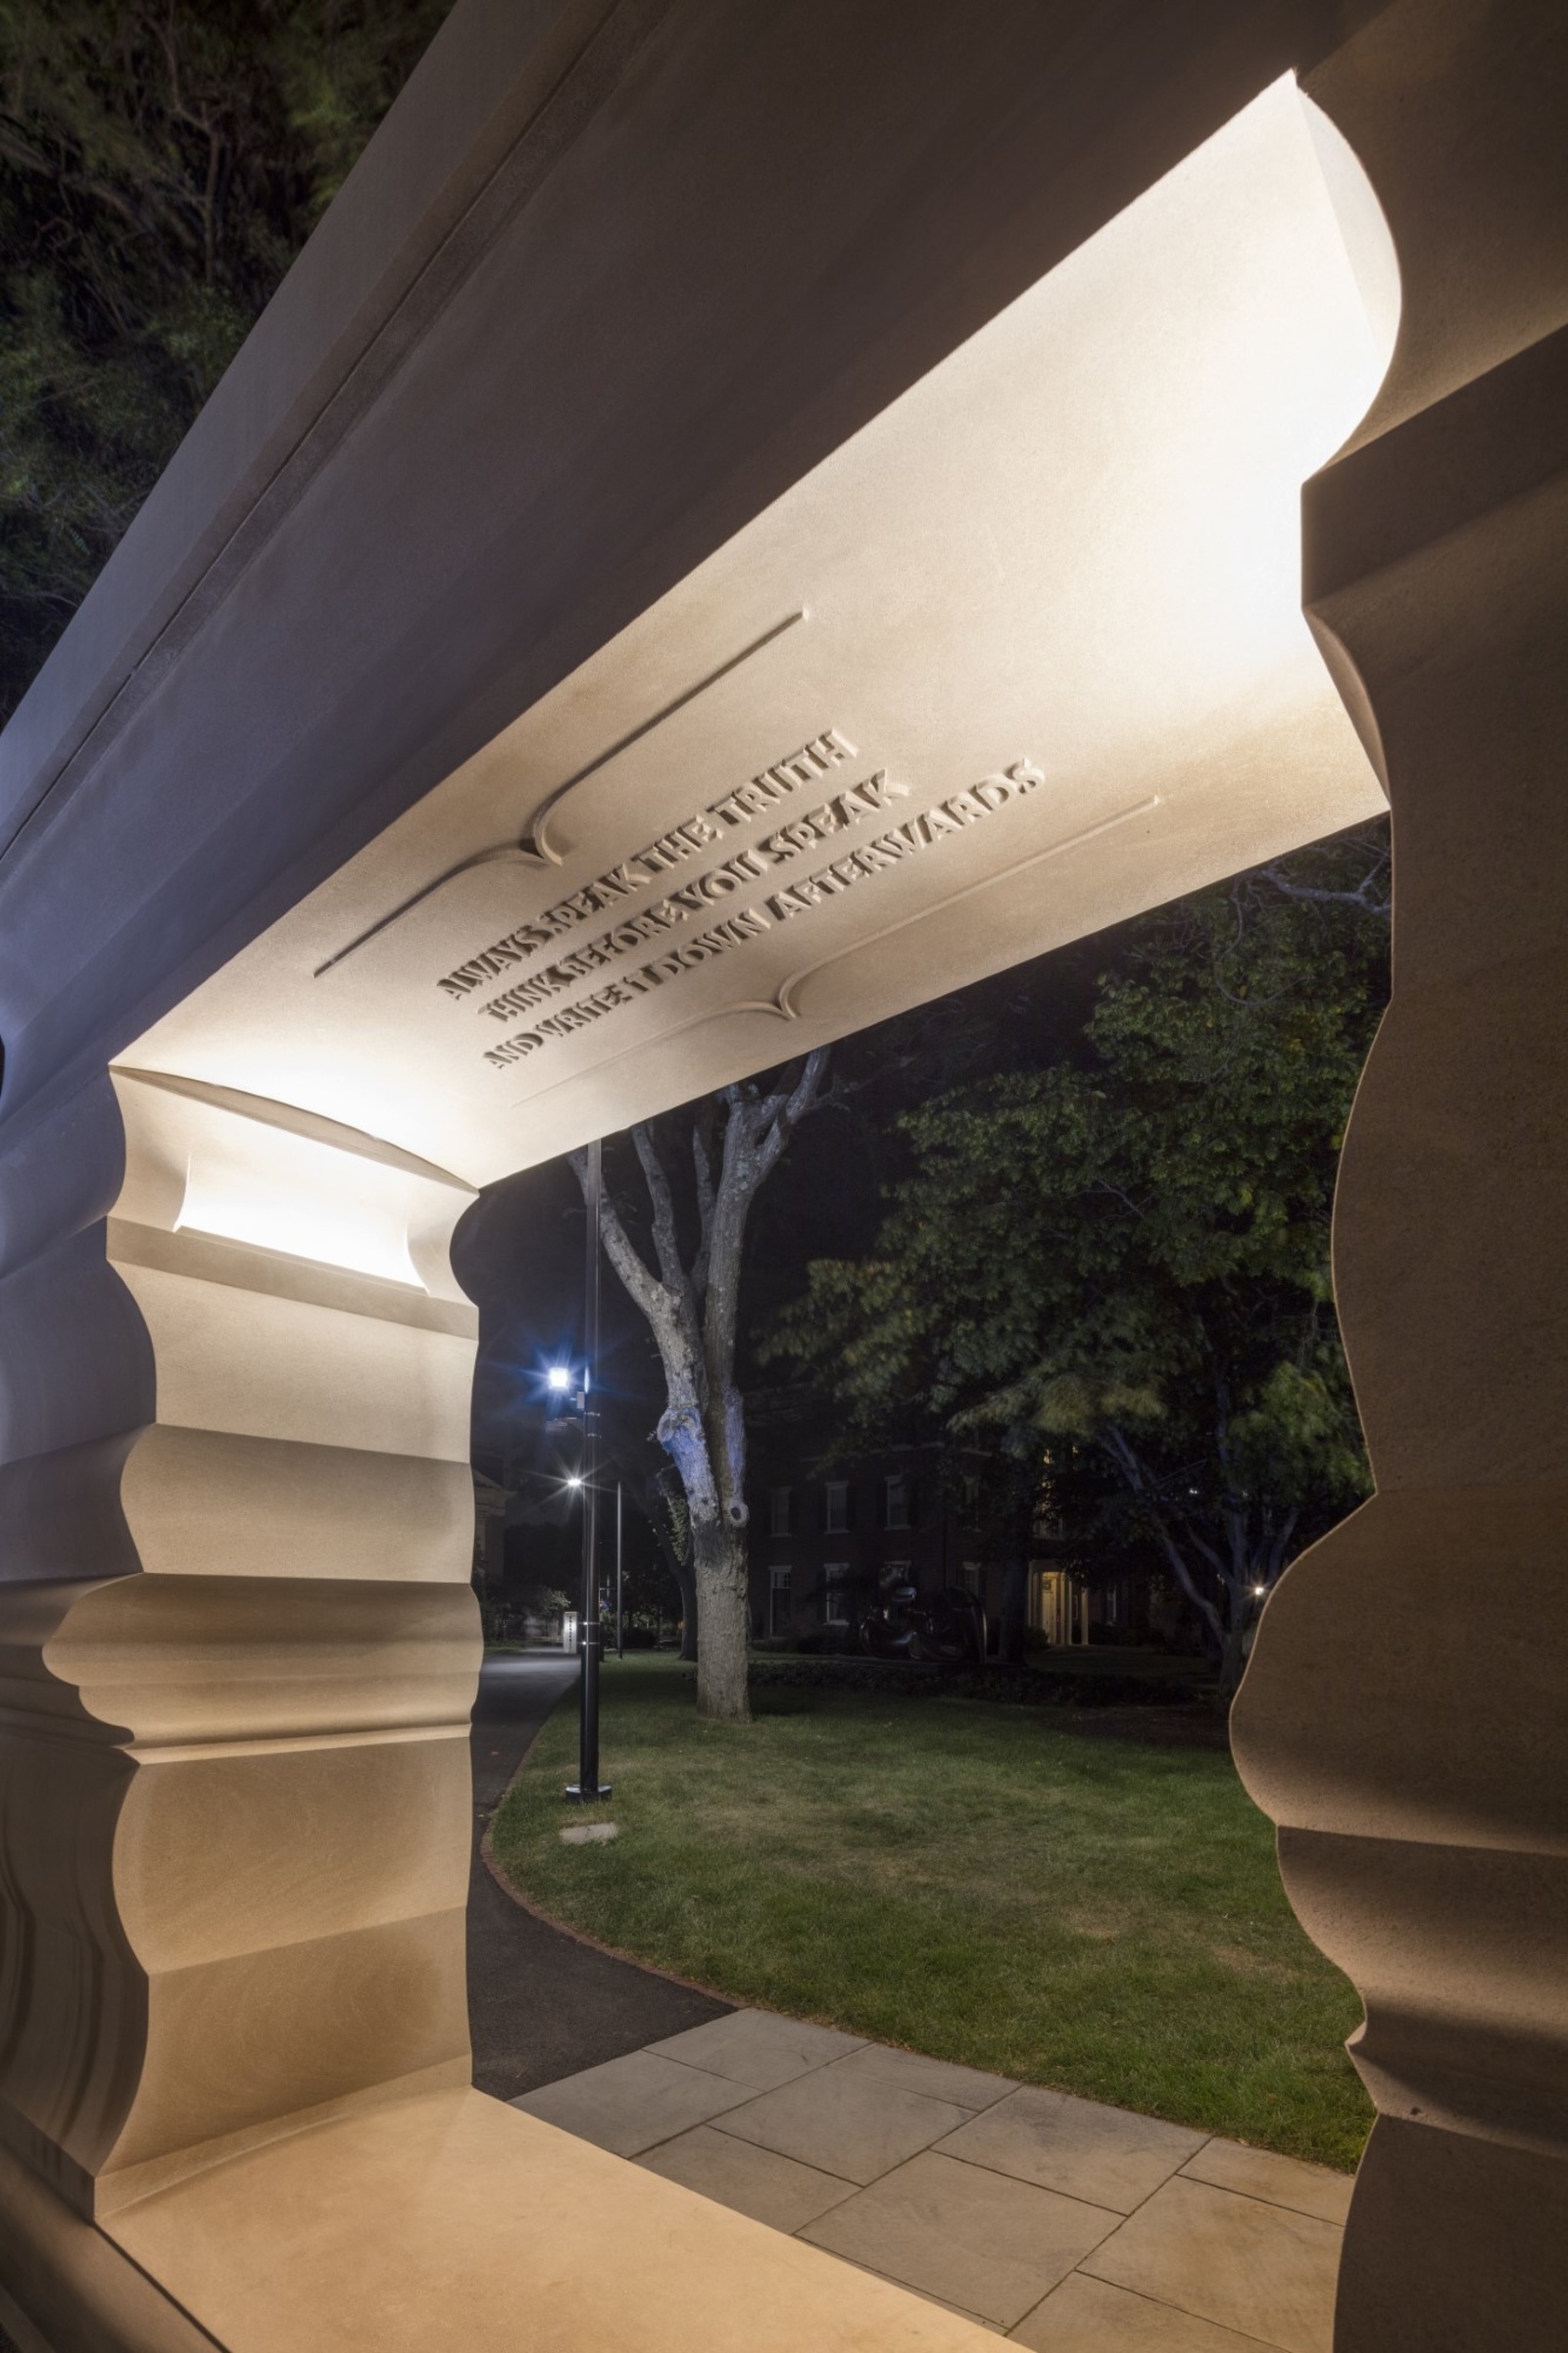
(544, 2001)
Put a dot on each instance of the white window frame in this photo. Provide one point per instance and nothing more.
(835, 1507)
(780, 1585)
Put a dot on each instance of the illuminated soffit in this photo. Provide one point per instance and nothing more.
(1022, 656)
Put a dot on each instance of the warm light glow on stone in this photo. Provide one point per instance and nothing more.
(1027, 653)
(283, 1191)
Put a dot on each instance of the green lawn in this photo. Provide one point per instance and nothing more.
(966, 1879)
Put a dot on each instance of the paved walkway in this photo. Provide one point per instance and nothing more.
(540, 2004)
(1070, 2227)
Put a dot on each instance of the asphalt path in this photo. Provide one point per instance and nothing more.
(540, 2004)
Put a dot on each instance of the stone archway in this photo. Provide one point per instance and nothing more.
(762, 789)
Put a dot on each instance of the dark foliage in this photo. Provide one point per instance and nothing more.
(160, 168)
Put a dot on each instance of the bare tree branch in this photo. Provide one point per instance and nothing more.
(703, 1175)
(638, 1277)
(666, 1243)
(1380, 903)
(790, 1110)
(692, 1313)
(1131, 1465)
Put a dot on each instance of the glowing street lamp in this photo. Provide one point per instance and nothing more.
(558, 1380)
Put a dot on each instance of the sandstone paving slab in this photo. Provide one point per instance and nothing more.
(1263, 2271)
(1089, 2316)
(1277, 2181)
(757, 2048)
(757, 2181)
(851, 2125)
(938, 2079)
(1085, 2150)
(450, 2223)
(631, 2104)
(990, 2327)
(990, 2245)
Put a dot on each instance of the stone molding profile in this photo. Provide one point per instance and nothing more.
(1403, 1719)
(283, 1635)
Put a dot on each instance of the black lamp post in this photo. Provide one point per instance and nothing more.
(588, 1789)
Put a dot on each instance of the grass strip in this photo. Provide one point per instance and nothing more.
(984, 1884)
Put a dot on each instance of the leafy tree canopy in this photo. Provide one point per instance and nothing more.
(1121, 1261)
(160, 164)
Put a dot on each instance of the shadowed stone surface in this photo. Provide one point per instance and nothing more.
(1183, 2244)
(986, 2245)
(756, 2047)
(1088, 2316)
(844, 2124)
(1261, 2270)
(631, 2104)
(1106, 2155)
(770, 2188)
(1277, 2181)
(937, 2079)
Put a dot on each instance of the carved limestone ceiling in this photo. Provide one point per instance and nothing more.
(1022, 656)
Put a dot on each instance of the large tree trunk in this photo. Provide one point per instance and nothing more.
(1015, 1609)
(691, 1310)
(686, 1578)
(676, 1558)
(685, 1575)
(723, 1601)
(1233, 1655)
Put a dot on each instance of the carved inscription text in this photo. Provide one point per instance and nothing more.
(876, 856)
(872, 797)
(758, 794)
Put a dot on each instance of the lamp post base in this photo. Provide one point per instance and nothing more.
(589, 1796)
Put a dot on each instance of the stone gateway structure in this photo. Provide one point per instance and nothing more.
(742, 520)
